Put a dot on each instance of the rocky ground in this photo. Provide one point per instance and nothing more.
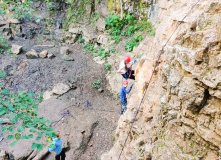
(89, 127)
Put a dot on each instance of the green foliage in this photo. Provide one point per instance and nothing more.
(116, 39)
(9, 51)
(81, 40)
(21, 109)
(137, 38)
(89, 47)
(114, 24)
(19, 9)
(107, 66)
(129, 46)
(3, 44)
(112, 50)
(129, 19)
(103, 54)
(134, 42)
(96, 84)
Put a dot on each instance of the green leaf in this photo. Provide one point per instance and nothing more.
(21, 115)
(24, 137)
(34, 145)
(5, 91)
(17, 136)
(13, 143)
(32, 130)
(40, 134)
(1, 122)
(11, 128)
(20, 129)
(30, 136)
(2, 74)
(10, 137)
(38, 138)
(39, 147)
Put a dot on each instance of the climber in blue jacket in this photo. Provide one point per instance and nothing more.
(123, 97)
(58, 152)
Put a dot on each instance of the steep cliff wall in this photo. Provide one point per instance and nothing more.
(181, 114)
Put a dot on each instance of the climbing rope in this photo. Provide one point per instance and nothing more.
(152, 76)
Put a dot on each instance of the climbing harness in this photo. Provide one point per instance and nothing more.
(157, 62)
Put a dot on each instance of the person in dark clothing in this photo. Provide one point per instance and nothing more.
(126, 71)
(123, 98)
(58, 151)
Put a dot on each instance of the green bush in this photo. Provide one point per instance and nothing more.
(137, 38)
(88, 47)
(107, 66)
(103, 54)
(81, 40)
(116, 39)
(129, 46)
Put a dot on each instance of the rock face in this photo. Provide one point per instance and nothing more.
(180, 115)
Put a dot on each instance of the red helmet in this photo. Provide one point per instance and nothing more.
(127, 59)
(125, 82)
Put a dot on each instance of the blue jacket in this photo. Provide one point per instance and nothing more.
(58, 146)
(123, 93)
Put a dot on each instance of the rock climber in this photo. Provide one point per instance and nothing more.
(124, 70)
(123, 97)
(58, 151)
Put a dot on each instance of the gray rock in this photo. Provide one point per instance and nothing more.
(43, 54)
(64, 50)
(102, 39)
(100, 24)
(68, 58)
(100, 90)
(16, 49)
(76, 30)
(3, 155)
(50, 55)
(15, 21)
(32, 54)
(60, 89)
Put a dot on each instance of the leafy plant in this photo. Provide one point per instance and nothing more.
(112, 49)
(137, 38)
(107, 66)
(81, 40)
(103, 54)
(21, 109)
(96, 84)
(129, 46)
(116, 39)
(3, 44)
(130, 19)
(89, 47)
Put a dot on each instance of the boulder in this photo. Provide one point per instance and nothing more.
(16, 49)
(43, 54)
(102, 39)
(60, 89)
(32, 54)
(64, 50)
